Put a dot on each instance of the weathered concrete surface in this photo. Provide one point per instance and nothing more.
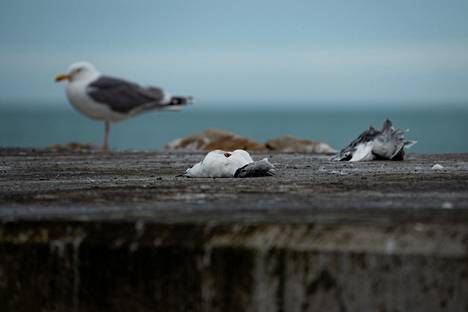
(119, 231)
(144, 185)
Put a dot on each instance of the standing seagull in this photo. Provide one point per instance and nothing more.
(111, 99)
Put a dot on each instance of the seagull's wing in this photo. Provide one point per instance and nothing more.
(260, 168)
(391, 142)
(123, 96)
(367, 136)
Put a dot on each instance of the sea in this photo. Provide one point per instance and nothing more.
(437, 128)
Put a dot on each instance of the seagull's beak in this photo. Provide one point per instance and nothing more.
(61, 77)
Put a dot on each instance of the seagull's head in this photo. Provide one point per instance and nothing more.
(79, 71)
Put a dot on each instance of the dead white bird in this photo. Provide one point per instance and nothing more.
(385, 144)
(237, 164)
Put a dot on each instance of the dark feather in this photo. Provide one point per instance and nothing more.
(259, 168)
(123, 96)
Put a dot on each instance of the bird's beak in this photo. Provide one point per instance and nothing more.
(61, 77)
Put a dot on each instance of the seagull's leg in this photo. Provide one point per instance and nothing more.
(106, 135)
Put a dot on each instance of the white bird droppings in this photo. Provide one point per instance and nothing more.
(437, 167)
(447, 205)
(390, 246)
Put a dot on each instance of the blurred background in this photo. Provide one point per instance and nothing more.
(320, 70)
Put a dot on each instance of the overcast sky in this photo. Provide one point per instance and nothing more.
(244, 51)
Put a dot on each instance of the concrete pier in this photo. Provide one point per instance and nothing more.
(122, 231)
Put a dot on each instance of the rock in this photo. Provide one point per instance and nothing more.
(72, 147)
(212, 139)
(288, 144)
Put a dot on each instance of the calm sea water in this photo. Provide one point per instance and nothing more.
(438, 130)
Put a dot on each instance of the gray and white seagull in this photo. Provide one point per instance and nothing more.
(112, 99)
(388, 143)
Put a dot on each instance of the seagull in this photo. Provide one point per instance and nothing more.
(236, 164)
(110, 99)
(385, 144)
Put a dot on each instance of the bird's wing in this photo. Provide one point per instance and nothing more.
(260, 168)
(367, 136)
(363, 151)
(123, 96)
(391, 142)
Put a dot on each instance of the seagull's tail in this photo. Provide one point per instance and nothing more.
(175, 103)
(180, 100)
